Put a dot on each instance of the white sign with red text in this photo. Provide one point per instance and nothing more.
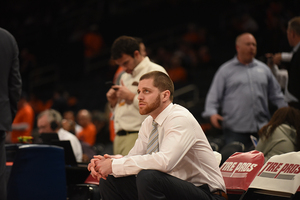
(280, 173)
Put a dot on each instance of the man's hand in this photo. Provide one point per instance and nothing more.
(112, 98)
(93, 167)
(123, 92)
(117, 156)
(214, 119)
(277, 58)
(104, 167)
(101, 166)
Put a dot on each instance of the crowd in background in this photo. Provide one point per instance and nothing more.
(65, 45)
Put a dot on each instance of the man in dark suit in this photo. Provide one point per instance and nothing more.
(10, 92)
(292, 94)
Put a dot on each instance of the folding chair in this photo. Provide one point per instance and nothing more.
(230, 149)
(278, 179)
(239, 170)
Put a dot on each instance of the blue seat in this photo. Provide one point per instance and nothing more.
(38, 172)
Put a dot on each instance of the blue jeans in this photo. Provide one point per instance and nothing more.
(231, 136)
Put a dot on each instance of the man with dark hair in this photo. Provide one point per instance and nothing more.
(122, 98)
(10, 92)
(171, 158)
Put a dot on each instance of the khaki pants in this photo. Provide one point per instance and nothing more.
(124, 143)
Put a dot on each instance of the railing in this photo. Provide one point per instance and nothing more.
(187, 96)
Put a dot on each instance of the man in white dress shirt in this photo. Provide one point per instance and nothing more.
(183, 165)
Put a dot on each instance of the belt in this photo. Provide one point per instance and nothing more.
(221, 193)
(218, 192)
(123, 132)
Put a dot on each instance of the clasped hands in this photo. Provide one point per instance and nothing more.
(101, 166)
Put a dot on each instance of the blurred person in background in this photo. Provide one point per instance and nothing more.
(49, 121)
(116, 81)
(88, 132)
(23, 122)
(292, 91)
(70, 116)
(281, 134)
(87, 136)
(122, 98)
(239, 96)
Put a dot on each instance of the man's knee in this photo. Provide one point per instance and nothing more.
(148, 174)
(147, 178)
(103, 184)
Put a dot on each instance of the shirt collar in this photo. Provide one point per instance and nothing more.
(237, 62)
(164, 114)
(296, 47)
(140, 66)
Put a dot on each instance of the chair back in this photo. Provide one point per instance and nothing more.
(239, 170)
(278, 178)
(38, 172)
(230, 149)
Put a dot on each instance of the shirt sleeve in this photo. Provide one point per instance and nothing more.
(214, 96)
(274, 91)
(177, 140)
(286, 57)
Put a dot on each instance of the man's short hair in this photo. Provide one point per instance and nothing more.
(124, 45)
(53, 116)
(294, 24)
(161, 81)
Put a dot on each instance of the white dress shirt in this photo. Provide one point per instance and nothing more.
(286, 56)
(76, 146)
(184, 151)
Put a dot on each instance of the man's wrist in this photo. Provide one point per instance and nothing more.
(111, 164)
(130, 98)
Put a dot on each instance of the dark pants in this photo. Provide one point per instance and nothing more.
(2, 166)
(231, 136)
(152, 184)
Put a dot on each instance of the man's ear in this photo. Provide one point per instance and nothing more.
(294, 34)
(136, 53)
(166, 95)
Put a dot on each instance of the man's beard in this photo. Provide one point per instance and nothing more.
(150, 108)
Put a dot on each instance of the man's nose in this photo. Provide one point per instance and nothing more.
(140, 96)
